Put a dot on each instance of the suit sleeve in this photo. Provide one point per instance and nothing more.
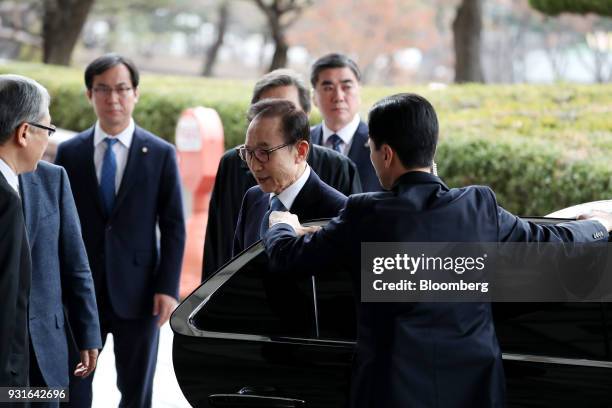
(172, 228)
(238, 245)
(514, 229)
(310, 253)
(77, 282)
(11, 225)
(355, 181)
(222, 215)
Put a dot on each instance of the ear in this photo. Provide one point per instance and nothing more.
(388, 155)
(21, 135)
(303, 147)
(136, 94)
(89, 94)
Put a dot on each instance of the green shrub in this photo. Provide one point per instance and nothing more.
(540, 148)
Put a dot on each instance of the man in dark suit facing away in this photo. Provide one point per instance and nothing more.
(275, 149)
(60, 276)
(335, 79)
(25, 126)
(416, 354)
(234, 177)
(126, 184)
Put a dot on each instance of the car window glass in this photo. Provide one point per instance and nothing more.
(336, 305)
(253, 301)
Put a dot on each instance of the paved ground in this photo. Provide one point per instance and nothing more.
(166, 391)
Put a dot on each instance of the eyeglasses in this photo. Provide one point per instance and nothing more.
(122, 91)
(50, 130)
(262, 155)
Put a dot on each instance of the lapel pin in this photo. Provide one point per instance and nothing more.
(145, 150)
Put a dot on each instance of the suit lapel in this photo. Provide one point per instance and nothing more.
(256, 215)
(360, 151)
(316, 136)
(302, 204)
(138, 150)
(86, 162)
(31, 203)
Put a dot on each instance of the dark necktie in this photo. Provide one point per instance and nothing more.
(275, 205)
(107, 177)
(335, 142)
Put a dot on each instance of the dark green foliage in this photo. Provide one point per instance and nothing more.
(555, 7)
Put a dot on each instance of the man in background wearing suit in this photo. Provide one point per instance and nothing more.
(234, 177)
(337, 93)
(275, 149)
(427, 353)
(25, 126)
(60, 273)
(126, 184)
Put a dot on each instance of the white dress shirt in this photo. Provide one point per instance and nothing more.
(346, 134)
(10, 176)
(120, 149)
(288, 195)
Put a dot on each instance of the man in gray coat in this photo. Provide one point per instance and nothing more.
(60, 271)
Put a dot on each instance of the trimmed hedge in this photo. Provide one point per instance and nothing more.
(541, 148)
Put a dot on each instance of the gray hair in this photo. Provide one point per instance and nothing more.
(21, 100)
(282, 77)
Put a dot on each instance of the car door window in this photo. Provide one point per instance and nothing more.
(336, 305)
(254, 301)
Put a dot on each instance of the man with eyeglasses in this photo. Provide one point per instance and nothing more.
(24, 120)
(276, 147)
(126, 185)
(234, 178)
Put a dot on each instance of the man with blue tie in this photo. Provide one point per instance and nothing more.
(126, 185)
(337, 93)
(422, 354)
(275, 149)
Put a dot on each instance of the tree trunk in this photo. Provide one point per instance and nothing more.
(63, 21)
(466, 32)
(213, 50)
(279, 59)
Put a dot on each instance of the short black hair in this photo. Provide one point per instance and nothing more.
(409, 125)
(294, 121)
(333, 60)
(105, 62)
(282, 77)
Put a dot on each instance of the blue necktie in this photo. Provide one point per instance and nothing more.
(275, 205)
(335, 142)
(107, 177)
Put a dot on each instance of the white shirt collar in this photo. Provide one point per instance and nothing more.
(288, 195)
(125, 137)
(10, 176)
(346, 133)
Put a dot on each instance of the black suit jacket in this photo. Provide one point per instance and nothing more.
(359, 153)
(418, 354)
(315, 200)
(15, 279)
(125, 244)
(234, 179)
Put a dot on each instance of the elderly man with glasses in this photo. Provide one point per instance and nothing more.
(24, 117)
(276, 148)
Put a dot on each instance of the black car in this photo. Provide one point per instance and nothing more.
(247, 339)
